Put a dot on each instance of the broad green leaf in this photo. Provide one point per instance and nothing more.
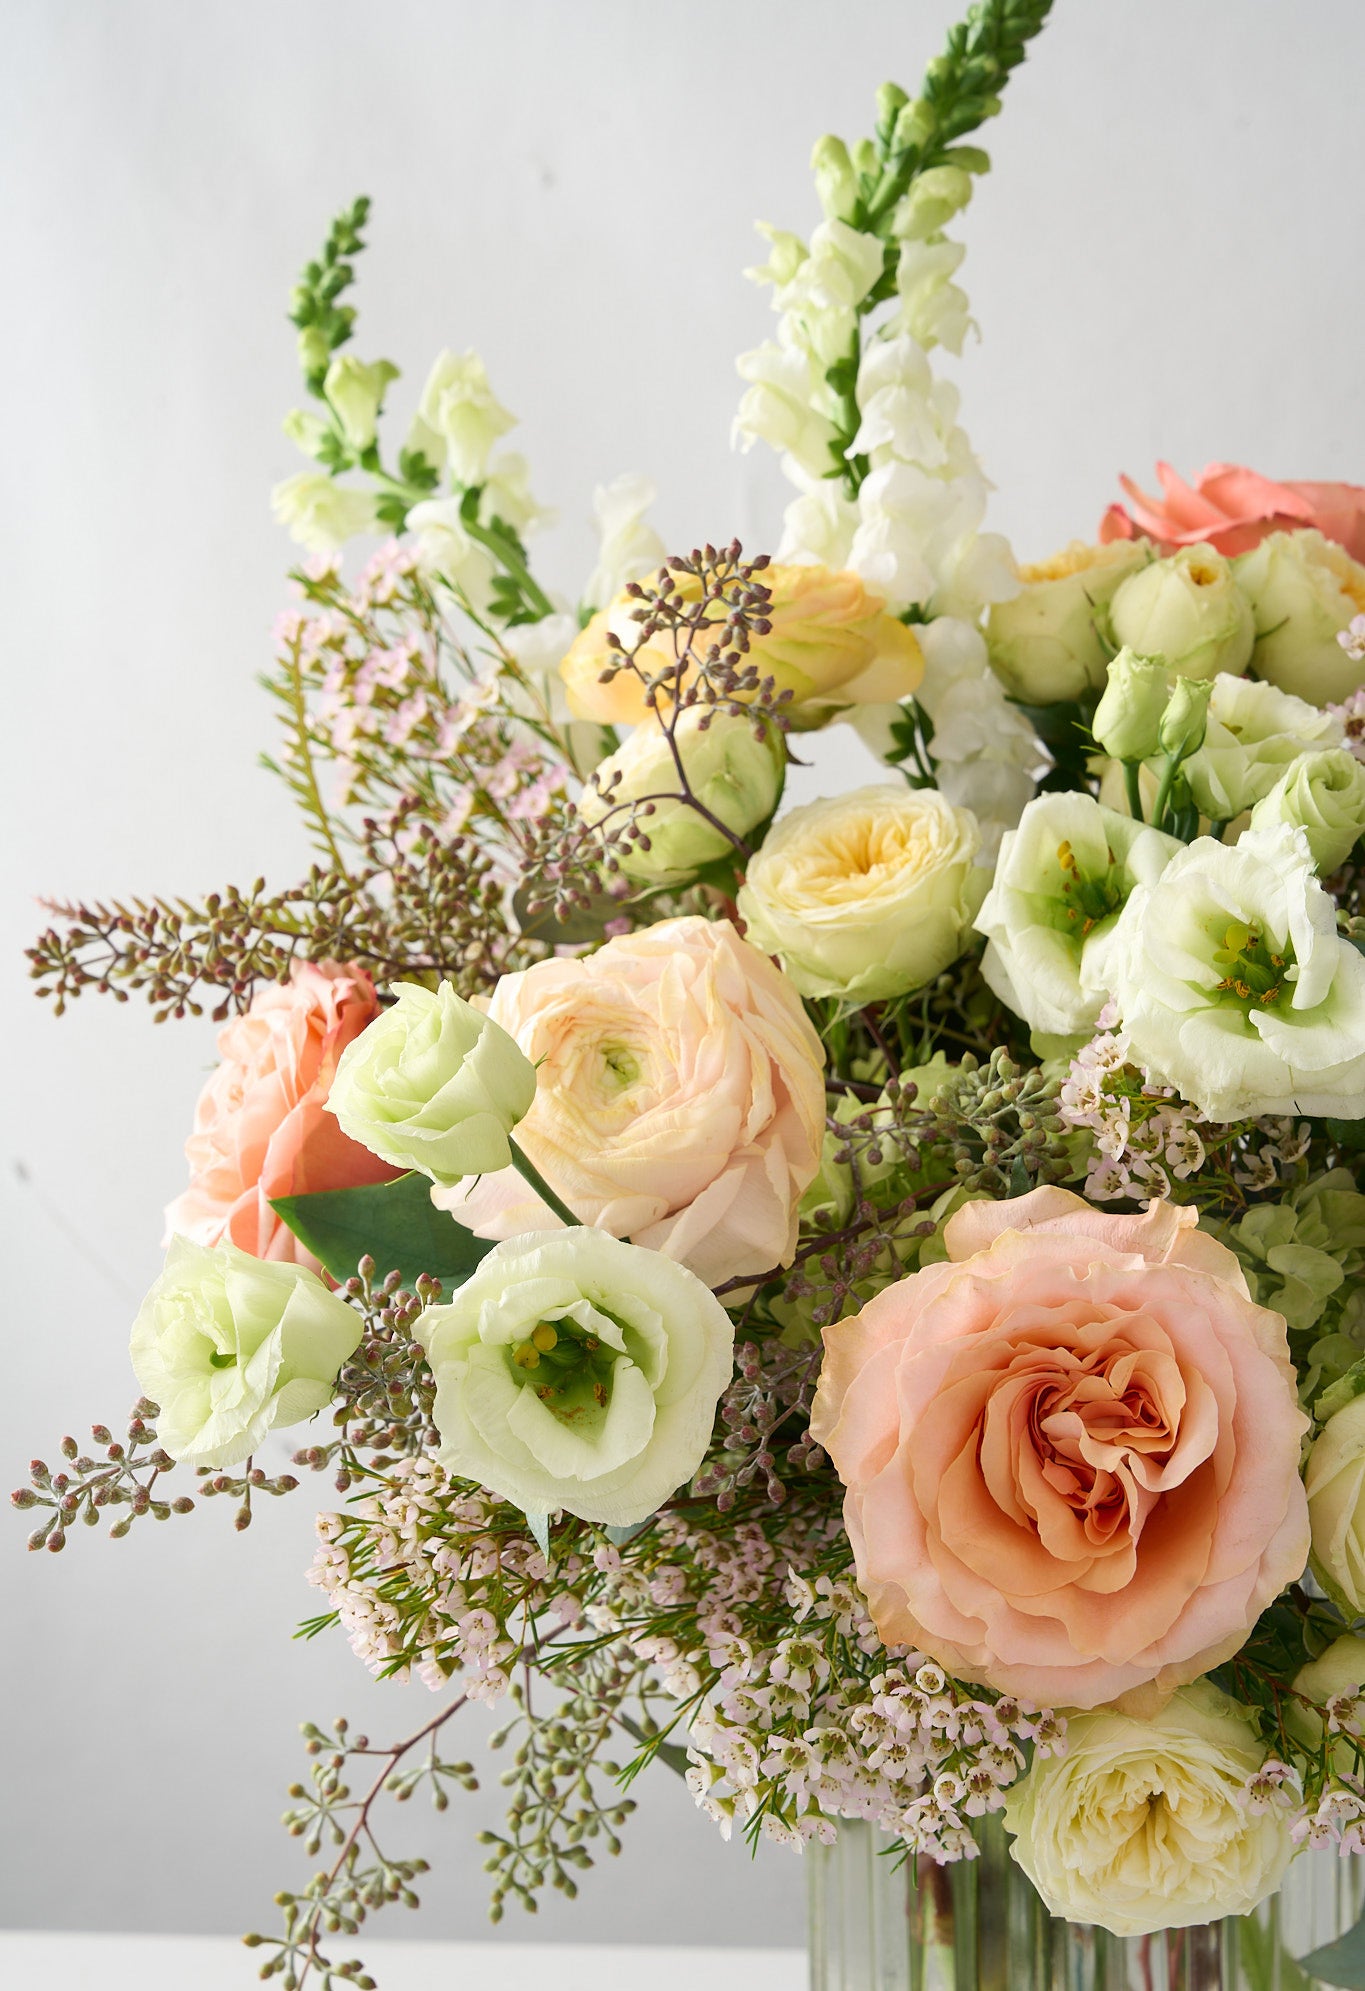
(395, 1222)
(1341, 1962)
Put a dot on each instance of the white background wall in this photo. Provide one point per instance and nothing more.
(1166, 261)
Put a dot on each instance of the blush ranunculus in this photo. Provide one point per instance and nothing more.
(681, 1099)
(261, 1128)
(1071, 1452)
(1232, 509)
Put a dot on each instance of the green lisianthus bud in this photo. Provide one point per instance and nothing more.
(1127, 720)
(1323, 794)
(435, 1085)
(1187, 609)
(1185, 719)
(835, 179)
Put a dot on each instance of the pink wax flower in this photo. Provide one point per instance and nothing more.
(1232, 509)
(1071, 1453)
(260, 1127)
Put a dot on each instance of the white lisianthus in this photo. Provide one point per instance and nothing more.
(355, 392)
(783, 406)
(1252, 734)
(230, 1346)
(1234, 985)
(446, 552)
(1143, 1825)
(577, 1372)
(458, 406)
(1334, 1481)
(734, 768)
(1043, 642)
(865, 895)
(1061, 881)
(320, 513)
(1324, 795)
(1189, 611)
(629, 547)
(433, 1084)
(1304, 590)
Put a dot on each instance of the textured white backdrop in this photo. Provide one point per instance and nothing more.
(1166, 261)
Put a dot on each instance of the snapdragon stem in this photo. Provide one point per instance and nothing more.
(529, 1173)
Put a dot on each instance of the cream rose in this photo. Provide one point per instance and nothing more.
(830, 643)
(575, 1371)
(680, 1099)
(1304, 590)
(1187, 610)
(734, 768)
(1143, 1825)
(230, 1346)
(1335, 1484)
(1044, 644)
(868, 894)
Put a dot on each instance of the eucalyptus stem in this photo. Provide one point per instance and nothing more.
(530, 1174)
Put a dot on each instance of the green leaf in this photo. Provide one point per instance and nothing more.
(1347, 1133)
(1343, 1391)
(1341, 1962)
(395, 1222)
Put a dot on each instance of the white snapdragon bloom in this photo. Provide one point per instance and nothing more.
(446, 552)
(462, 415)
(1234, 985)
(320, 513)
(784, 406)
(839, 271)
(355, 393)
(904, 409)
(507, 495)
(933, 309)
(819, 526)
(629, 547)
(1061, 882)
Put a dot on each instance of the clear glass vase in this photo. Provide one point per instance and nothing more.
(980, 1926)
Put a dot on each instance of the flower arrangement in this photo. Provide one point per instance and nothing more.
(859, 1302)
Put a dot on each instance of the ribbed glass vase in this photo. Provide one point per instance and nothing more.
(979, 1926)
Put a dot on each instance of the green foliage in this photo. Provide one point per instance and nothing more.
(323, 322)
(393, 1224)
(1341, 1962)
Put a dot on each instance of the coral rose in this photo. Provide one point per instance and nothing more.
(1232, 509)
(681, 1099)
(261, 1128)
(1071, 1452)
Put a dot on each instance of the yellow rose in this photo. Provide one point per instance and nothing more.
(831, 644)
(1143, 1825)
(866, 895)
(1043, 642)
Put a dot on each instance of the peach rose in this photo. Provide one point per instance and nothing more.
(1233, 509)
(261, 1128)
(681, 1100)
(1071, 1453)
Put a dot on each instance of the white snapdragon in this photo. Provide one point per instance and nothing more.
(905, 411)
(629, 547)
(461, 415)
(933, 309)
(786, 405)
(446, 552)
(320, 513)
(507, 495)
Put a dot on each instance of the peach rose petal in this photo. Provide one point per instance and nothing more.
(1070, 1454)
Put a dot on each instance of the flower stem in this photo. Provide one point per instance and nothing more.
(529, 1173)
(1131, 770)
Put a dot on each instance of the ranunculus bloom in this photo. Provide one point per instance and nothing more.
(1071, 1452)
(681, 1099)
(1143, 1825)
(261, 1128)
(1233, 509)
(830, 643)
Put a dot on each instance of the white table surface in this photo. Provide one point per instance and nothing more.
(40, 1961)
